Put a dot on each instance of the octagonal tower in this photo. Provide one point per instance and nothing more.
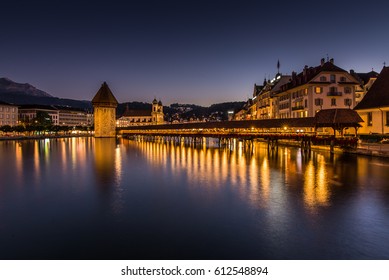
(104, 107)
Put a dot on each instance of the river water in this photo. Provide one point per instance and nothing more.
(86, 198)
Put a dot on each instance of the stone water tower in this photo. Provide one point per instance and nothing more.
(104, 107)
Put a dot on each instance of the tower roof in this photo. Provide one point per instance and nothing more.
(104, 97)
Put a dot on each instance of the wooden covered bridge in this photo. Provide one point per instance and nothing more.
(305, 130)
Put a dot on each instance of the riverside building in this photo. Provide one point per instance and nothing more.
(8, 114)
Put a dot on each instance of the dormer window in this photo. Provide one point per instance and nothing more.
(333, 78)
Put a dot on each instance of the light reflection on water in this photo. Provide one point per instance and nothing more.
(107, 199)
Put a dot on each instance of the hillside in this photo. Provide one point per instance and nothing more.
(22, 94)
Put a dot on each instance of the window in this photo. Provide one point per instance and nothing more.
(318, 101)
(347, 90)
(347, 102)
(323, 79)
(333, 89)
(342, 79)
(369, 118)
(333, 101)
(332, 78)
(318, 90)
(306, 103)
(387, 118)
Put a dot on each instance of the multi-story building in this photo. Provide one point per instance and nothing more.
(8, 114)
(265, 100)
(326, 86)
(68, 116)
(142, 117)
(27, 113)
(60, 115)
(374, 107)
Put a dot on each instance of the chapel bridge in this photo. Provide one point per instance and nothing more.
(308, 131)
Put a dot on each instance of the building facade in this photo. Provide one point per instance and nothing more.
(322, 87)
(73, 117)
(8, 114)
(374, 107)
(27, 113)
(134, 117)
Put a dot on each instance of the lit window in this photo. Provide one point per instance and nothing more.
(318, 89)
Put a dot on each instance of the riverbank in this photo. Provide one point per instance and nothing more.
(37, 137)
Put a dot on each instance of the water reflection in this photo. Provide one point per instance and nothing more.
(163, 200)
(260, 176)
(105, 154)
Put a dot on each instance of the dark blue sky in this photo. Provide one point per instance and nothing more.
(199, 52)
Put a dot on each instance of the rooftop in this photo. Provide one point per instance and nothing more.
(105, 97)
(378, 95)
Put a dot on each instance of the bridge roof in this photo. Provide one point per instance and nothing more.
(324, 118)
(337, 117)
(271, 123)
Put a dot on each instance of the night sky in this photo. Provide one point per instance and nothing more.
(200, 52)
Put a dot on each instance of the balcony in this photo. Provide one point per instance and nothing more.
(334, 93)
(295, 108)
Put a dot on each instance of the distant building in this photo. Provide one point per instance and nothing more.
(27, 113)
(74, 117)
(265, 100)
(104, 105)
(60, 115)
(133, 117)
(8, 114)
(374, 107)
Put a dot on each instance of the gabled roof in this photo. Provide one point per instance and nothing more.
(104, 97)
(378, 95)
(311, 72)
(364, 77)
(257, 89)
(337, 117)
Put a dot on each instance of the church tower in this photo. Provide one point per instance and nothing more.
(157, 112)
(104, 107)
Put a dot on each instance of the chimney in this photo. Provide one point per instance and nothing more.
(332, 61)
(322, 61)
(352, 71)
(305, 70)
